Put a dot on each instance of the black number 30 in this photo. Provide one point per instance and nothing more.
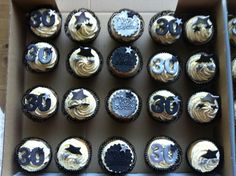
(37, 18)
(25, 156)
(168, 26)
(32, 102)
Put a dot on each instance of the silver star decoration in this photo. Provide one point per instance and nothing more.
(128, 50)
(179, 21)
(52, 12)
(176, 99)
(124, 148)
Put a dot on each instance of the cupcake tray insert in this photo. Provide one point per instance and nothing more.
(99, 129)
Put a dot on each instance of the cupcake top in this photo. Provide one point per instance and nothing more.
(203, 156)
(41, 57)
(125, 61)
(45, 22)
(232, 31)
(201, 67)
(125, 25)
(85, 61)
(123, 104)
(163, 154)
(40, 102)
(164, 67)
(117, 156)
(82, 25)
(80, 104)
(33, 154)
(199, 29)
(234, 68)
(203, 107)
(165, 28)
(73, 154)
(163, 105)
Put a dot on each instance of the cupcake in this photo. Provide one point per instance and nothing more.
(84, 62)
(164, 105)
(201, 68)
(125, 61)
(45, 22)
(163, 154)
(41, 57)
(33, 155)
(164, 67)
(203, 156)
(117, 156)
(82, 26)
(73, 155)
(124, 105)
(234, 69)
(39, 103)
(199, 29)
(165, 28)
(203, 107)
(80, 104)
(232, 31)
(125, 26)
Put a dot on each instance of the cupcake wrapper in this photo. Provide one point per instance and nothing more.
(66, 171)
(68, 20)
(16, 158)
(172, 168)
(68, 68)
(87, 118)
(36, 118)
(122, 119)
(123, 39)
(107, 141)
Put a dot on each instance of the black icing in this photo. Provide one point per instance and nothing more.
(118, 159)
(85, 51)
(174, 26)
(45, 18)
(35, 19)
(163, 26)
(31, 53)
(210, 154)
(209, 98)
(200, 106)
(74, 150)
(130, 14)
(205, 58)
(201, 20)
(78, 95)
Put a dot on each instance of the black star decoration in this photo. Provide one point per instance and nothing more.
(79, 95)
(210, 154)
(129, 95)
(200, 106)
(74, 150)
(80, 20)
(209, 98)
(85, 52)
(203, 20)
(205, 58)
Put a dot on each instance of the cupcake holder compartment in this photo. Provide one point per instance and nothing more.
(97, 130)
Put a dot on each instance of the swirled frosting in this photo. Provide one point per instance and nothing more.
(203, 107)
(80, 104)
(203, 156)
(83, 26)
(73, 154)
(164, 115)
(45, 31)
(36, 64)
(31, 144)
(234, 68)
(84, 64)
(201, 67)
(164, 67)
(199, 29)
(54, 102)
(232, 31)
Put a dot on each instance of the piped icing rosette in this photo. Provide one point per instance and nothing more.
(203, 107)
(125, 25)
(164, 106)
(85, 62)
(73, 154)
(232, 31)
(201, 67)
(165, 28)
(80, 104)
(82, 25)
(164, 67)
(203, 156)
(234, 68)
(199, 29)
(40, 103)
(41, 57)
(45, 22)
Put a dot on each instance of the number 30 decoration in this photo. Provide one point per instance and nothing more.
(35, 157)
(171, 66)
(173, 27)
(31, 102)
(47, 18)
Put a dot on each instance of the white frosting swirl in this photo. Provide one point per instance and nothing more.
(77, 109)
(84, 66)
(44, 31)
(72, 161)
(85, 31)
(202, 75)
(232, 36)
(203, 35)
(196, 152)
(32, 144)
(234, 68)
(203, 114)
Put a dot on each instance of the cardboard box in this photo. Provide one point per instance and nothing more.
(184, 131)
